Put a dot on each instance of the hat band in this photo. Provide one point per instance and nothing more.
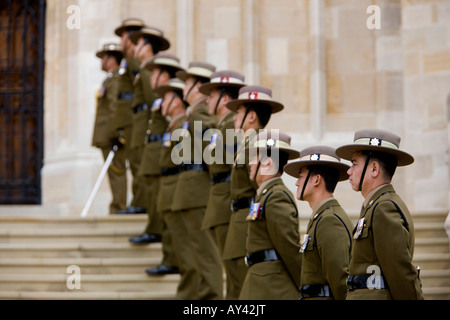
(319, 157)
(226, 80)
(201, 72)
(166, 62)
(254, 95)
(270, 143)
(375, 142)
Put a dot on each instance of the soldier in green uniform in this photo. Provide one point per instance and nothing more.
(327, 242)
(129, 67)
(273, 258)
(192, 190)
(105, 135)
(148, 41)
(223, 87)
(163, 67)
(254, 107)
(174, 107)
(383, 240)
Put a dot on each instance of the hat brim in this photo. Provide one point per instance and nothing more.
(292, 154)
(234, 104)
(150, 66)
(293, 168)
(161, 91)
(101, 53)
(346, 152)
(164, 43)
(206, 88)
(183, 75)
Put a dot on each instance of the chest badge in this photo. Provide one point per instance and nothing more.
(304, 243)
(359, 228)
(253, 213)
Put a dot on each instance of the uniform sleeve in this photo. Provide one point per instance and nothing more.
(282, 225)
(391, 242)
(333, 243)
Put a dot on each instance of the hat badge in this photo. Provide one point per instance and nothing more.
(314, 157)
(270, 143)
(225, 79)
(253, 95)
(375, 142)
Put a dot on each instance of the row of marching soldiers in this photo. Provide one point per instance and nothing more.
(238, 217)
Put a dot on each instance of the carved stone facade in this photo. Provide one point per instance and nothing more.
(333, 74)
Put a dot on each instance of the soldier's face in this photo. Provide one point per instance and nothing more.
(238, 117)
(190, 89)
(159, 78)
(300, 183)
(355, 171)
(167, 100)
(104, 62)
(212, 101)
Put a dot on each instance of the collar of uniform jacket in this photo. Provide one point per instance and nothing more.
(371, 194)
(265, 184)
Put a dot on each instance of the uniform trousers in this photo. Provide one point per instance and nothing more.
(139, 186)
(205, 255)
(189, 278)
(117, 179)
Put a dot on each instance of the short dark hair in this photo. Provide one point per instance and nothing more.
(330, 176)
(279, 161)
(156, 45)
(387, 161)
(263, 111)
(116, 55)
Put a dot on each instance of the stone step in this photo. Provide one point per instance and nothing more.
(435, 278)
(431, 245)
(77, 295)
(137, 221)
(438, 293)
(432, 261)
(79, 250)
(88, 283)
(118, 265)
(62, 235)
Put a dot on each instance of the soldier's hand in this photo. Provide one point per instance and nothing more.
(120, 140)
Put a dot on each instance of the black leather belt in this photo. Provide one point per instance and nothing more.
(360, 282)
(261, 256)
(125, 96)
(315, 291)
(193, 166)
(241, 204)
(141, 107)
(220, 177)
(154, 138)
(170, 171)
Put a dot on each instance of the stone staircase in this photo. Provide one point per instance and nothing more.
(36, 254)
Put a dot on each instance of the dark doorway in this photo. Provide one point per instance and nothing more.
(22, 24)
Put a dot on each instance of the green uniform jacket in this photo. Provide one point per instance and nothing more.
(241, 187)
(327, 252)
(387, 242)
(168, 183)
(143, 94)
(127, 71)
(152, 151)
(218, 210)
(192, 189)
(104, 132)
(276, 227)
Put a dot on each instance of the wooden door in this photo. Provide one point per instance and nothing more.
(22, 25)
